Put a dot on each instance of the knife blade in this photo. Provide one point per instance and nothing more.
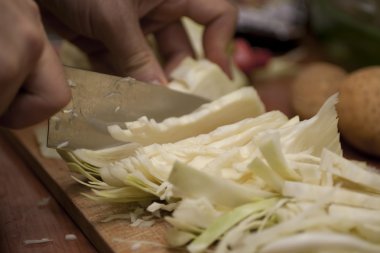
(99, 100)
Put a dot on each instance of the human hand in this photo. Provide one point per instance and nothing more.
(117, 30)
(31, 78)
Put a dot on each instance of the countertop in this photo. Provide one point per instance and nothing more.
(29, 212)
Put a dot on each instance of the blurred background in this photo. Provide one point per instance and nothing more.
(274, 36)
(297, 53)
(343, 32)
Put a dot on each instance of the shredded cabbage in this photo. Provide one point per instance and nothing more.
(262, 184)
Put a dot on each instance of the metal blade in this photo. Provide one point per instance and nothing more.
(100, 100)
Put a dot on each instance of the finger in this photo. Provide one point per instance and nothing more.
(174, 45)
(44, 93)
(87, 45)
(51, 22)
(117, 26)
(161, 15)
(21, 45)
(130, 50)
(219, 19)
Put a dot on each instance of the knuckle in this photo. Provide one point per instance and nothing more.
(135, 61)
(232, 11)
(33, 39)
(34, 9)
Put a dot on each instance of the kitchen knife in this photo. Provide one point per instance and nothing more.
(100, 100)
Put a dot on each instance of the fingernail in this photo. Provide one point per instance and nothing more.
(156, 82)
(228, 69)
(159, 81)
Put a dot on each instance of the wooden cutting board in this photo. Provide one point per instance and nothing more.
(118, 236)
(115, 236)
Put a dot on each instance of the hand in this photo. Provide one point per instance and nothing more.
(117, 31)
(32, 85)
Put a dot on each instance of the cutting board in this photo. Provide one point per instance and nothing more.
(118, 236)
(115, 236)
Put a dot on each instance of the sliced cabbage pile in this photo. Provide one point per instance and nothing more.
(236, 178)
(261, 183)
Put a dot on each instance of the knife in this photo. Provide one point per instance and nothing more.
(99, 100)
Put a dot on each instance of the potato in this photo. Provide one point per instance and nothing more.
(359, 109)
(313, 85)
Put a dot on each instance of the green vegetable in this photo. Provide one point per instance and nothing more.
(226, 221)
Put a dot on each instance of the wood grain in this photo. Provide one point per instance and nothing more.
(27, 211)
(108, 237)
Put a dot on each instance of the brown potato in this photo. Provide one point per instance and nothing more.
(359, 109)
(313, 85)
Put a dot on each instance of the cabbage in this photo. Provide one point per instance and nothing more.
(264, 183)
